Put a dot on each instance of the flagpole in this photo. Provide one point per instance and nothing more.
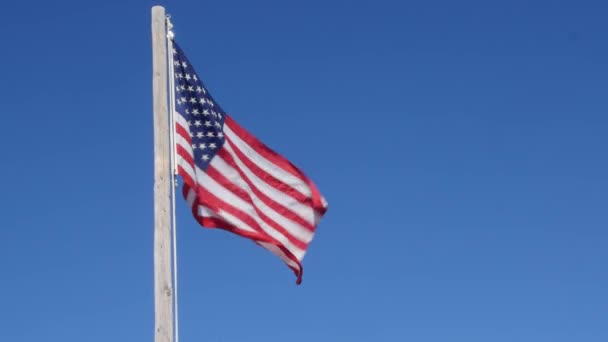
(163, 292)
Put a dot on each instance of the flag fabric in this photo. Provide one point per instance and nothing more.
(235, 182)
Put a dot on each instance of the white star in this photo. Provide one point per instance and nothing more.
(201, 100)
(191, 135)
(174, 52)
(189, 123)
(199, 89)
(205, 112)
(188, 77)
(184, 64)
(217, 124)
(212, 146)
(197, 123)
(180, 75)
(195, 111)
(202, 146)
(219, 115)
(194, 77)
(210, 103)
(192, 100)
(183, 99)
(200, 135)
(190, 88)
(176, 63)
(220, 135)
(187, 111)
(210, 134)
(194, 146)
(205, 157)
(182, 87)
(208, 123)
(176, 88)
(179, 101)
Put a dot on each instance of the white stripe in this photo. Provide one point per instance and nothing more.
(323, 202)
(236, 222)
(181, 120)
(206, 212)
(180, 160)
(278, 252)
(186, 166)
(302, 210)
(228, 197)
(179, 140)
(266, 165)
(201, 210)
(190, 197)
(296, 230)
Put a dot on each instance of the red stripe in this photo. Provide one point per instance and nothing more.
(292, 257)
(242, 194)
(184, 132)
(186, 189)
(213, 202)
(268, 178)
(262, 149)
(187, 157)
(185, 154)
(276, 159)
(216, 222)
(186, 177)
(298, 272)
(279, 208)
(210, 222)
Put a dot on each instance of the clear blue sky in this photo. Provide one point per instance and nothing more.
(461, 146)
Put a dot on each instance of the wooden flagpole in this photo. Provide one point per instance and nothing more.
(163, 292)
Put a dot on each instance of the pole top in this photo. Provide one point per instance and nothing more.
(158, 11)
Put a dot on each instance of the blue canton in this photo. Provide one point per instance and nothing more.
(205, 117)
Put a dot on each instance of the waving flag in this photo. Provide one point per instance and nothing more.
(233, 181)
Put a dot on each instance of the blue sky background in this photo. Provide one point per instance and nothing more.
(461, 146)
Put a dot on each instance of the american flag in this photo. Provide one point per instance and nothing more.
(233, 181)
